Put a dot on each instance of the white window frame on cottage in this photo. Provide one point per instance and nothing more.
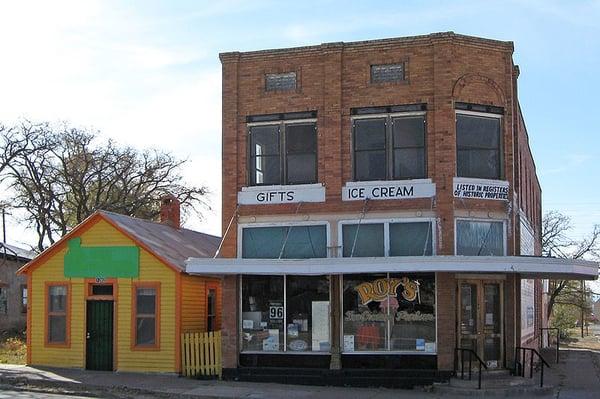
(386, 230)
(489, 220)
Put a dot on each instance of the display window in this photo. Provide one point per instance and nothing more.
(287, 242)
(389, 312)
(285, 314)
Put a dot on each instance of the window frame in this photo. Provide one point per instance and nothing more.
(504, 232)
(490, 115)
(24, 298)
(386, 232)
(285, 350)
(242, 226)
(283, 175)
(389, 143)
(66, 314)
(134, 316)
(212, 287)
(389, 352)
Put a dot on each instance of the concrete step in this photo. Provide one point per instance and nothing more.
(498, 383)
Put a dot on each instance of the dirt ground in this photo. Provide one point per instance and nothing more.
(591, 339)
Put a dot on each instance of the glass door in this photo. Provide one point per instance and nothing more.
(480, 320)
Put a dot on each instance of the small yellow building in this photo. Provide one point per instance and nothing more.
(113, 294)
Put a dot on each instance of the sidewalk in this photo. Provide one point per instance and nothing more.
(129, 385)
(576, 376)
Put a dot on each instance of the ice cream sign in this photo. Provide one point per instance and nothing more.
(381, 289)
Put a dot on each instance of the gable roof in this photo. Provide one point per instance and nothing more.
(170, 245)
(15, 252)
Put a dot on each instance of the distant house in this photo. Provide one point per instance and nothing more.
(113, 294)
(596, 308)
(13, 288)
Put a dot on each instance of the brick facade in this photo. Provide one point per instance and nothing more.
(333, 78)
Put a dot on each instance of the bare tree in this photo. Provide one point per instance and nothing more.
(59, 176)
(556, 242)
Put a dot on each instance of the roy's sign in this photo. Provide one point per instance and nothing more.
(379, 290)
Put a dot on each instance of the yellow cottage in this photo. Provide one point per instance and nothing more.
(113, 294)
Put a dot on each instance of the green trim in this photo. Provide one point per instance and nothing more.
(103, 262)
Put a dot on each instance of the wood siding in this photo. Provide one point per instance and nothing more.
(194, 292)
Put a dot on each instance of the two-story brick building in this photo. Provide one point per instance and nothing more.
(377, 197)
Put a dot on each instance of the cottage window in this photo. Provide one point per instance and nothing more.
(485, 238)
(389, 312)
(57, 314)
(288, 242)
(146, 315)
(389, 147)
(389, 238)
(211, 309)
(23, 299)
(478, 146)
(283, 153)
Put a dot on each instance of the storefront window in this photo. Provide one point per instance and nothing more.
(307, 310)
(389, 312)
(297, 242)
(295, 322)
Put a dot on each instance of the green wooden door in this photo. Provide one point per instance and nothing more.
(99, 337)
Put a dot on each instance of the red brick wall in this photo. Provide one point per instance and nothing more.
(332, 79)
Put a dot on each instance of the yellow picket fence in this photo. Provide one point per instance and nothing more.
(201, 354)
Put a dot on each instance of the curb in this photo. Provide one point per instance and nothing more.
(77, 389)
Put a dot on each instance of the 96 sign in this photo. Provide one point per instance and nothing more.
(275, 312)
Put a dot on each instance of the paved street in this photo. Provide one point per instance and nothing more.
(9, 394)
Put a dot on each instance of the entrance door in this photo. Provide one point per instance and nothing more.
(99, 336)
(480, 320)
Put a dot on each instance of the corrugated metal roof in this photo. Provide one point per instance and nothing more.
(173, 245)
(11, 250)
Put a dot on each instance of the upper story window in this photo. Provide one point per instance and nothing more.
(390, 145)
(280, 81)
(478, 141)
(284, 150)
(286, 242)
(480, 238)
(387, 73)
(402, 238)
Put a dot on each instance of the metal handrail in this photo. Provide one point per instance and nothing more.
(520, 352)
(471, 354)
(557, 338)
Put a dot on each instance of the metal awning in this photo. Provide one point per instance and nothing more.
(526, 266)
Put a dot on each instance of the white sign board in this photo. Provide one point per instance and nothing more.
(281, 194)
(388, 190)
(527, 310)
(480, 189)
(320, 326)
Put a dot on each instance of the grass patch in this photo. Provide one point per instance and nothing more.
(13, 348)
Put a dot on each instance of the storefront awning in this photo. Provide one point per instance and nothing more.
(526, 266)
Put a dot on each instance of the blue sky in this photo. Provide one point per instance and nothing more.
(147, 72)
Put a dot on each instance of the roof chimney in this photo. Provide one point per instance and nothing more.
(170, 211)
